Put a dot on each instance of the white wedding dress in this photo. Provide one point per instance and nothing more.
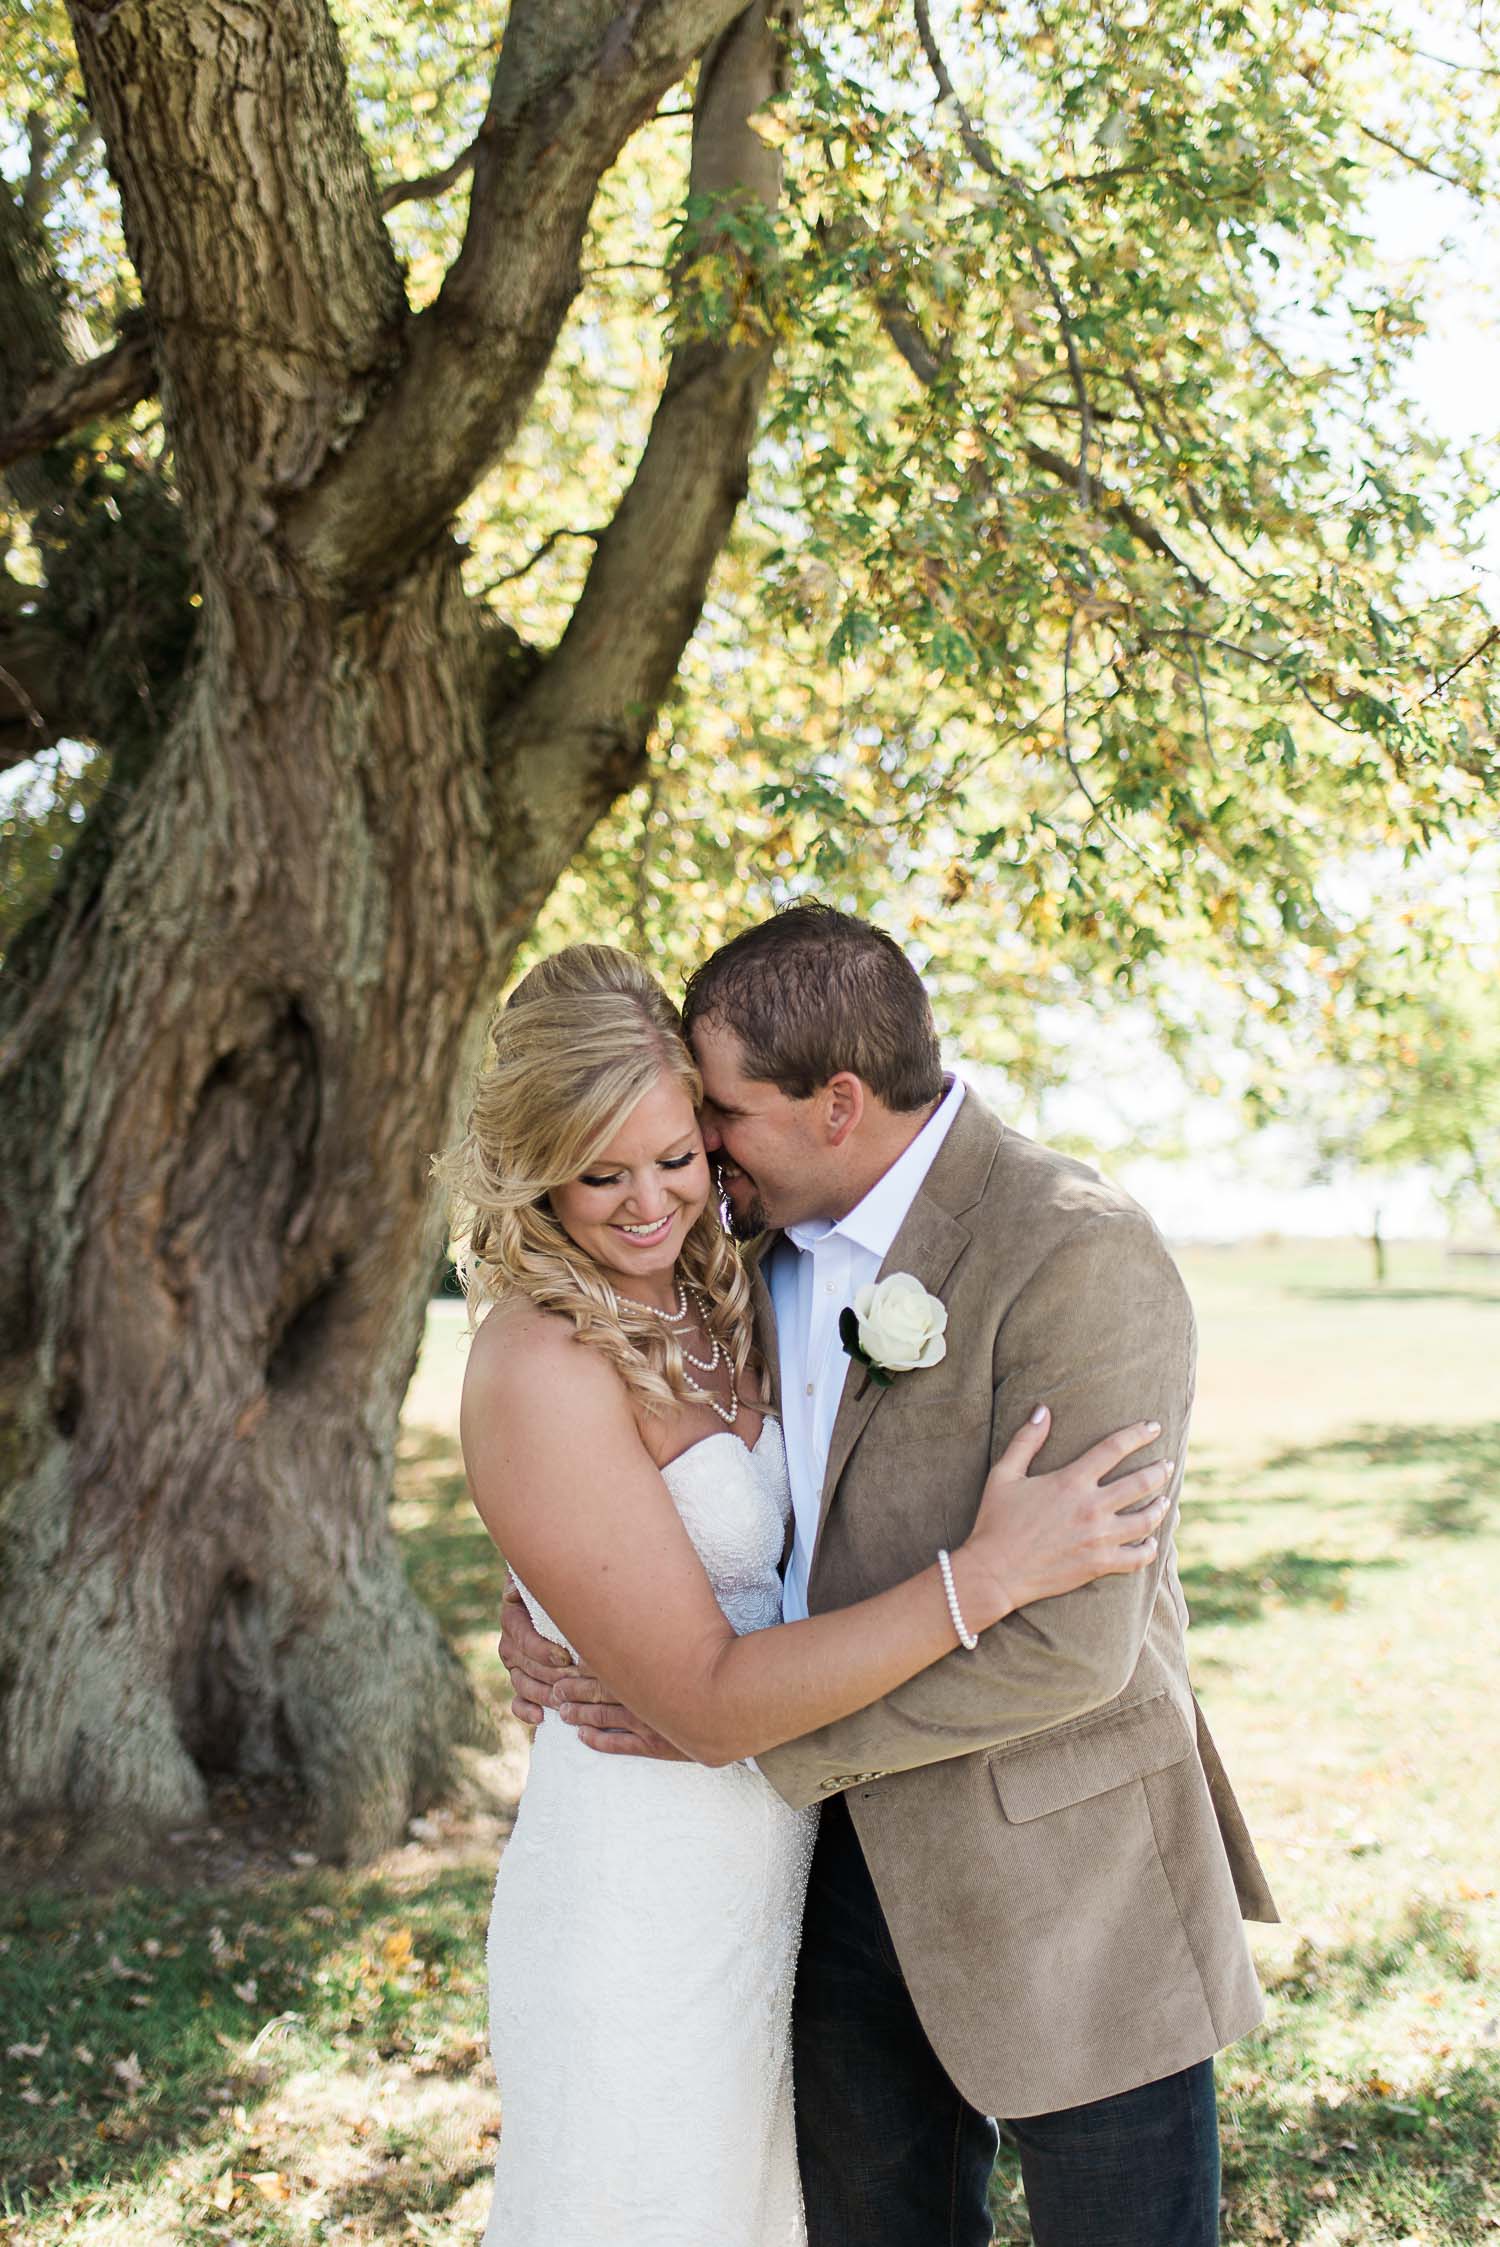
(641, 1951)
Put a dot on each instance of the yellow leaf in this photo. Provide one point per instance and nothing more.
(396, 1950)
(270, 2184)
(221, 2195)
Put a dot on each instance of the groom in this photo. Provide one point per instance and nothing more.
(1030, 1876)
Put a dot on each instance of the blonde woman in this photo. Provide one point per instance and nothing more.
(622, 1454)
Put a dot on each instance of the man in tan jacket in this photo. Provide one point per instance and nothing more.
(1031, 1873)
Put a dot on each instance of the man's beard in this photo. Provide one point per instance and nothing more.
(741, 1225)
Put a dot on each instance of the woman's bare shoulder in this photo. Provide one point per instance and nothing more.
(521, 1356)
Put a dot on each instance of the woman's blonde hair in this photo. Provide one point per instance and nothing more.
(575, 1047)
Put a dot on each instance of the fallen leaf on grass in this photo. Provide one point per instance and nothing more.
(396, 1950)
(124, 1973)
(270, 2184)
(1325, 2189)
(26, 2051)
(130, 2072)
(221, 2192)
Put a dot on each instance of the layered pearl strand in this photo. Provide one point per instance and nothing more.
(678, 1317)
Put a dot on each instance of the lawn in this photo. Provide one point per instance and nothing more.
(264, 2049)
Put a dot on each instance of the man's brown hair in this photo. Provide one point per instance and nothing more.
(815, 991)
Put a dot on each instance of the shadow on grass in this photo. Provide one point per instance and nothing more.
(420, 2182)
(1417, 2165)
(1469, 1454)
(142, 2011)
(1470, 1449)
(1285, 1579)
(450, 1562)
(1351, 1977)
(1463, 1460)
(1476, 1294)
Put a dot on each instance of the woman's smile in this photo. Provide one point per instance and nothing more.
(647, 1236)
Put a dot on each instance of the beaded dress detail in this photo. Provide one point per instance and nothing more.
(642, 1947)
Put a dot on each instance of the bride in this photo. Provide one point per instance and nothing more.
(622, 1453)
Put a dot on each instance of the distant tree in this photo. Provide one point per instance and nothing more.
(1409, 1077)
(378, 386)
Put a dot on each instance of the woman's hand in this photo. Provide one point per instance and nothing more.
(1038, 1535)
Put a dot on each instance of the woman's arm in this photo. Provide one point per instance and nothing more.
(574, 1501)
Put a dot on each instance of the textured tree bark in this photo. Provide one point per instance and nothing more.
(239, 1236)
(219, 1232)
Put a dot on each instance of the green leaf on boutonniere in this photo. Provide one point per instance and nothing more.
(854, 1348)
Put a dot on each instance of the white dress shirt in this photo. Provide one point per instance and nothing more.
(813, 1273)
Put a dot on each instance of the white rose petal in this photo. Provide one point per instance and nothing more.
(901, 1326)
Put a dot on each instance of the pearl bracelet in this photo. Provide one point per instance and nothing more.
(966, 1637)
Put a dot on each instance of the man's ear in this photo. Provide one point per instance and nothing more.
(843, 1105)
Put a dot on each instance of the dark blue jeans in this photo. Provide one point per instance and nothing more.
(894, 2156)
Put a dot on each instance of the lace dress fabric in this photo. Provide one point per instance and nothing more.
(642, 1946)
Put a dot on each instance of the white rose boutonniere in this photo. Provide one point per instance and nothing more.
(894, 1326)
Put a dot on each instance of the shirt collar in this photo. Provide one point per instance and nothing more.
(873, 1223)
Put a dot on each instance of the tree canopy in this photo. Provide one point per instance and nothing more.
(1100, 585)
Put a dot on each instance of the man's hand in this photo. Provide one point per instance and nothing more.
(544, 1676)
(604, 1723)
(534, 1663)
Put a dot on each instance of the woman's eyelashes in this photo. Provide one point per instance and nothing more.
(674, 1162)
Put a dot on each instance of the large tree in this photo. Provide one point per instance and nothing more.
(1087, 601)
(236, 1034)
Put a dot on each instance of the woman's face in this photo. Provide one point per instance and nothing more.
(633, 1207)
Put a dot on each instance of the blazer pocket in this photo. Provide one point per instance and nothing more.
(1055, 1772)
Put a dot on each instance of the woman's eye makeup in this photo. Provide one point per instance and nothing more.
(674, 1162)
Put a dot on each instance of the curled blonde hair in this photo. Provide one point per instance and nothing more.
(579, 1042)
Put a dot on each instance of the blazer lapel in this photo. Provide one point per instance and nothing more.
(763, 1312)
(929, 1243)
(928, 1246)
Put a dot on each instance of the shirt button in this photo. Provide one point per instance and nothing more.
(809, 1388)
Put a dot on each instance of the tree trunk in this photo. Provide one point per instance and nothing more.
(233, 1264)
(1377, 1248)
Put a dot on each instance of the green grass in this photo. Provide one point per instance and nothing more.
(298, 2054)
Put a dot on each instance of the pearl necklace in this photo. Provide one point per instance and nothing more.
(710, 1364)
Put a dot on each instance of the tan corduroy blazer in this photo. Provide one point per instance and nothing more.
(1053, 1839)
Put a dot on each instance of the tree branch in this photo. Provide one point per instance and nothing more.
(108, 383)
(431, 184)
(984, 156)
(35, 669)
(570, 87)
(905, 332)
(1420, 163)
(578, 736)
(250, 213)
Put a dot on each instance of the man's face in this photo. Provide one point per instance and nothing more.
(769, 1152)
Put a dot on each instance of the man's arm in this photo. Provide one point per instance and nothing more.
(1102, 1333)
(545, 1676)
